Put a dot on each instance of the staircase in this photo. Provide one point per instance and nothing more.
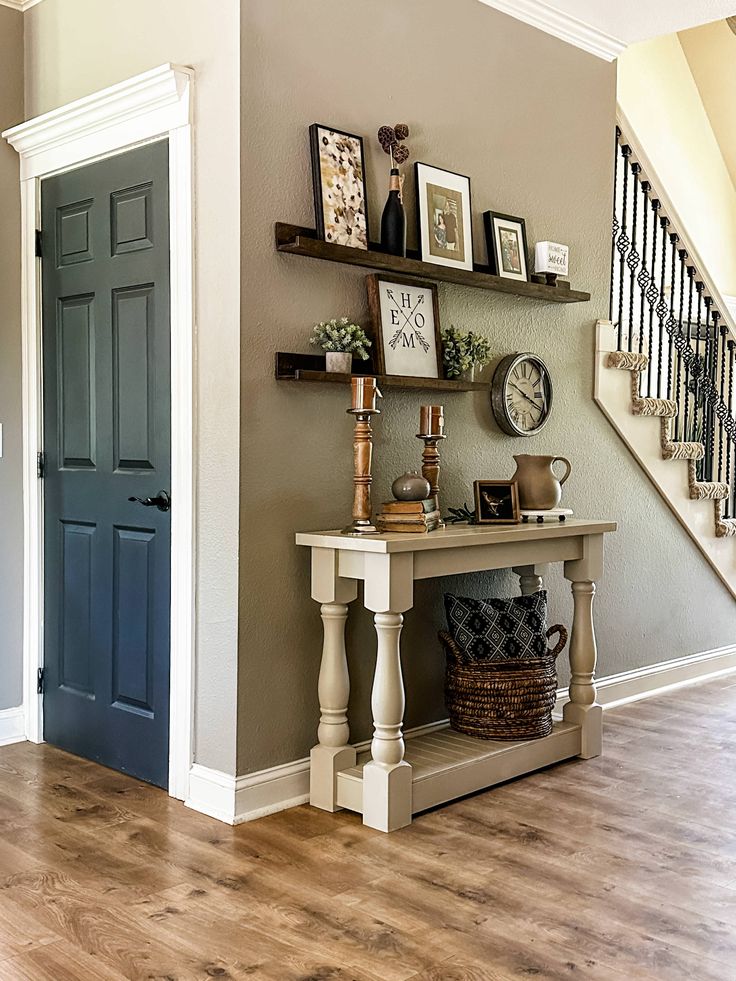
(664, 372)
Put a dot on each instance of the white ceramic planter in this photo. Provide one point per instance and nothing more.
(339, 361)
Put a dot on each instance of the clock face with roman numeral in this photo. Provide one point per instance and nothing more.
(521, 394)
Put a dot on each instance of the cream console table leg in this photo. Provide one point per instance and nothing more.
(332, 753)
(387, 777)
(582, 709)
(531, 578)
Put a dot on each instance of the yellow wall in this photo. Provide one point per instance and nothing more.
(711, 54)
(661, 101)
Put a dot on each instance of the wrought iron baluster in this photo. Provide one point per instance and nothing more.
(652, 294)
(662, 309)
(615, 222)
(674, 239)
(697, 376)
(707, 355)
(729, 442)
(622, 244)
(682, 254)
(632, 260)
(714, 339)
(690, 273)
(643, 277)
(722, 371)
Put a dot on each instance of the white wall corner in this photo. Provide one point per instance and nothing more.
(561, 25)
(12, 726)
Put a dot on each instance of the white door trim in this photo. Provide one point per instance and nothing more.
(150, 106)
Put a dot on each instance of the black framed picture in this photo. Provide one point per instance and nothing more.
(406, 326)
(340, 193)
(507, 248)
(444, 216)
(497, 502)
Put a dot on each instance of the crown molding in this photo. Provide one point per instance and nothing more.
(21, 5)
(155, 102)
(551, 21)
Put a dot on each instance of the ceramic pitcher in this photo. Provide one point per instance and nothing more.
(539, 487)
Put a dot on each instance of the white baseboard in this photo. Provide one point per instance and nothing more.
(236, 800)
(12, 726)
(655, 679)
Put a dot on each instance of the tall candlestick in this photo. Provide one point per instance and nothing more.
(363, 455)
(431, 457)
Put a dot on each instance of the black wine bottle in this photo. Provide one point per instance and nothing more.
(393, 220)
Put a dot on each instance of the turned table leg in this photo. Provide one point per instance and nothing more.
(332, 752)
(387, 778)
(530, 578)
(582, 708)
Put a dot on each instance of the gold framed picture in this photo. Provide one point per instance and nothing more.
(443, 210)
(497, 502)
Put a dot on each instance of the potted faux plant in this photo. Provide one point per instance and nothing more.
(340, 340)
(463, 351)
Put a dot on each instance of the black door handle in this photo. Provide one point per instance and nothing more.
(162, 501)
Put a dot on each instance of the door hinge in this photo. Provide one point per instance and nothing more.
(41, 465)
(39, 243)
(41, 680)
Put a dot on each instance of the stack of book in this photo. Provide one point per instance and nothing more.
(412, 517)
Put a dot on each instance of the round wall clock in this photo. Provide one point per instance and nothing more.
(521, 394)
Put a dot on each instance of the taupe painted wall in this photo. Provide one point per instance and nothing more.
(74, 47)
(530, 120)
(11, 497)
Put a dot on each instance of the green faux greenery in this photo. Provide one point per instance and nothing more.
(342, 337)
(461, 350)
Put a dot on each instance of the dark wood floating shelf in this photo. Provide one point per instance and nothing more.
(310, 368)
(304, 241)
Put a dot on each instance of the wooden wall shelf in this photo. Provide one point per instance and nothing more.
(304, 241)
(311, 368)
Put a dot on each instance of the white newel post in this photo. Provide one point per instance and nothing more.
(332, 752)
(389, 588)
(582, 709)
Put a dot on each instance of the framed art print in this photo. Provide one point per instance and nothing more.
(340, 197)
(497, 502)
(507, 249)
(443, 209)
(406, 326)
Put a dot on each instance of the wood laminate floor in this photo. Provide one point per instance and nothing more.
(617, 868)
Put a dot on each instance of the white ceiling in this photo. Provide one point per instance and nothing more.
(606, 27)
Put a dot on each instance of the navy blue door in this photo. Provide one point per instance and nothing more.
(106, 365)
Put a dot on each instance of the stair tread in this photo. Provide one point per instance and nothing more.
(661, 408)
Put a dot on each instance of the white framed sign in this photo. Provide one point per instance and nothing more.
(406, 326)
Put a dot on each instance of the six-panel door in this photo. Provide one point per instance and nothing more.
(106, 338)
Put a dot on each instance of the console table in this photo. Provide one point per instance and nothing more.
(394, 782)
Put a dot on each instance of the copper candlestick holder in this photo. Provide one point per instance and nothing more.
(365, 393)
(431, 464)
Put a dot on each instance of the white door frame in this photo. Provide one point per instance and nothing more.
(150, 106)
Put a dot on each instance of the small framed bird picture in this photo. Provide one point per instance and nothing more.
(497, 502)
(406, 326)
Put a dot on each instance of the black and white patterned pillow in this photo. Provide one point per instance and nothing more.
(499, 629)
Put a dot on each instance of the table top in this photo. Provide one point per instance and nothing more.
(454, 536)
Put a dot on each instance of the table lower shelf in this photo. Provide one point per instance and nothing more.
(446, 764)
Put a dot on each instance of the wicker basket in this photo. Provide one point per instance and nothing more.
(501, 699)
